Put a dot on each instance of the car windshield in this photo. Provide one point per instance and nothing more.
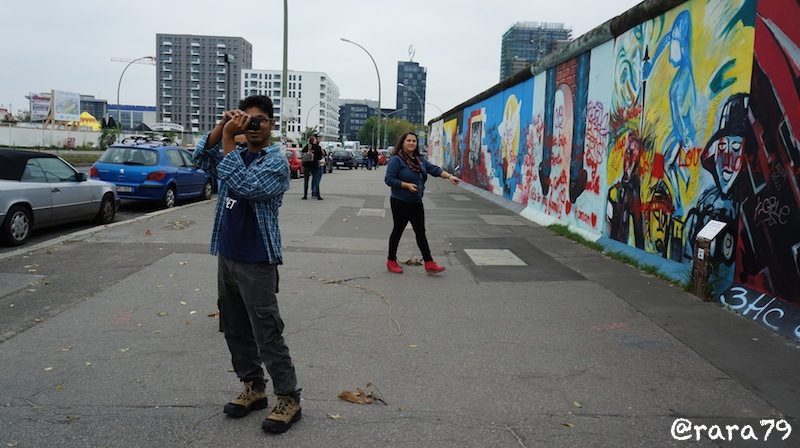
(129, 156)
(341, 154)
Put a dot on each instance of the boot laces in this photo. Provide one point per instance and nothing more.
(281, 406)
(246, 392)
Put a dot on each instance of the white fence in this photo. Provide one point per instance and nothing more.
(13, 136)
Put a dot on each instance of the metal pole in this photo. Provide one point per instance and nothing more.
(379, 81)
(421, 105)
(120, 84)
(285, 74)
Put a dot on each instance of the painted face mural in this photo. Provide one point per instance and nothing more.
(509, 135)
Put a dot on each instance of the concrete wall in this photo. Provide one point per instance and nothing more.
(646, 128)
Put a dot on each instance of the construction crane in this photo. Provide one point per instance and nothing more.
(147, 61)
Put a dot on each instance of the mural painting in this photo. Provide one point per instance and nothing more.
(768, 246)
(444, 148)
(494, 142)
(679, 97)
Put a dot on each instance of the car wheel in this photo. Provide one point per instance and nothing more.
(295, 175)
(17, 226)
(207, 190)
(108, 210)
(169, 198)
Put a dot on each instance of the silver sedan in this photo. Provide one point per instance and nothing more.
(39, 190)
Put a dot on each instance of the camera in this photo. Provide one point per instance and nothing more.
(255, 124)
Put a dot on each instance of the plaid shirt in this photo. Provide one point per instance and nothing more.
(262, 183)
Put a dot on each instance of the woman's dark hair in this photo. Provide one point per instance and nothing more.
(260, 101)
(399, 145)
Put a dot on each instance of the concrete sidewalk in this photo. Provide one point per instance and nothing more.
(528, 339)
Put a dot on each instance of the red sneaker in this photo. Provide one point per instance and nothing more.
(432, 268)
(392, 266)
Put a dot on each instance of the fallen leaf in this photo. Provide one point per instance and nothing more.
(38, 320)
(412, 345)
(88, 364)
(571, 425)
(183, 263)
(156, 331)
(68, 419)
(231, 370)
(183, 303)
(148, 233)
(45, 282)
(187, 322)
(47, 369)
(214, 315)
(344, 220)
(59, 387)
(192, 312)
(198, 289)
(123, 350)
(12, 444)
(577, 404)
(162, 313)
(66, 349)
(160, 286)
(334, 416)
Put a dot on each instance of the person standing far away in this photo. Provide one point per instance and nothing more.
(321, 165)
(406, 174)
(247, 241)
(310, 167)
(372, 156)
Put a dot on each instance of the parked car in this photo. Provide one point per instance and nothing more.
(38, 190)
(152, 172)
(295, 164)
(344, 158)
(328, 161)
(383, 156)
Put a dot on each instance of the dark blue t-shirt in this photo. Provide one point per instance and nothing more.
(240, 238)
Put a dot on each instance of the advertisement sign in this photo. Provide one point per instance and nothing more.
(40, 108)
(67, 106)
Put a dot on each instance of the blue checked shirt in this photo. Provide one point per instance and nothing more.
(262, 183)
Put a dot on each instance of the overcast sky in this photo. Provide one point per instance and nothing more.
(68, 45)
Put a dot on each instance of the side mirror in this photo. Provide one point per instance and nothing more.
(81, 177)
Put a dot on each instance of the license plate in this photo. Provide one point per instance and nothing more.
(339, 163)
(124, 189)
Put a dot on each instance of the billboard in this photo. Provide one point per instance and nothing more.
(40, 108)
(66, 106)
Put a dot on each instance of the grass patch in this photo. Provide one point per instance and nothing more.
(563, 230)
(81, 159)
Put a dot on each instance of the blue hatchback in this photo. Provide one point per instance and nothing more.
(152, 172)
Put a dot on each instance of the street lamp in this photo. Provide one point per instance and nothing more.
(309, 113)
(437, 107)
(421, 104)
(379, 80)
(285, 73)
(386, 125)
(119, 114)
(229, 59)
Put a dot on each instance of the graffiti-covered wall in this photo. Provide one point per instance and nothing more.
(683, 117)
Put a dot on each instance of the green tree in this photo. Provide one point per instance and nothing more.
(23, 116)
(391, 129)
(305, 135)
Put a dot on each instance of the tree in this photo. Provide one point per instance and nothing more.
(305, 135)
(391, 129)
(23, 116)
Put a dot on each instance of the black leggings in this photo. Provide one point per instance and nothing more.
(402, 213)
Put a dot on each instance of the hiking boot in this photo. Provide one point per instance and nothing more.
(392, 266)
(432, 268)
(283, 415)
(250, 399)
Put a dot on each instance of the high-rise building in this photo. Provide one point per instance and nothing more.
(317, 99)
(411, 82)
(353, 114)
(198, 78)
(527, 42)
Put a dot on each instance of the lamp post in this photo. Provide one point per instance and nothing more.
(437, 107)
(379, 80)
(309, 113)
(119, 114)
(386, 125)
(421, 104)
(285, 74)
(229, 59)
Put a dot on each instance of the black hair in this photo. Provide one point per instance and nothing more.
(399, 145)
(260, 101)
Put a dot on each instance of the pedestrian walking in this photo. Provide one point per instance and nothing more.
(247, 241)
(406, 174)
(312, 154)
(372, 156)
